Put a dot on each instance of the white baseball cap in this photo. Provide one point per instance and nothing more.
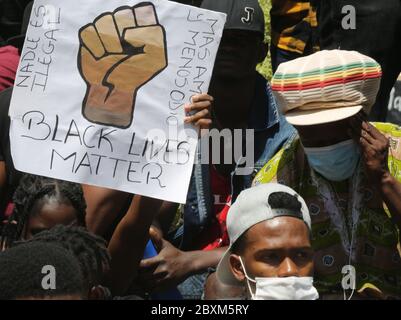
(250, 208)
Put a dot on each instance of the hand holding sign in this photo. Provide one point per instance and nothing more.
(120, 52)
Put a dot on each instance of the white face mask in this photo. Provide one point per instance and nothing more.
(285, 288)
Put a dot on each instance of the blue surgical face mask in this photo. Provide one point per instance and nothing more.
(337, 162)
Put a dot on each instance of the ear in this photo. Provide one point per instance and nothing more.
(97, 293)
(236, 267)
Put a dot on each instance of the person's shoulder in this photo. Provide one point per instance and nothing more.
(279, 161)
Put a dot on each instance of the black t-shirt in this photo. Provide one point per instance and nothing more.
(13, 175)
(11, 17)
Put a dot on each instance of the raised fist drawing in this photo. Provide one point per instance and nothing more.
(119, 53)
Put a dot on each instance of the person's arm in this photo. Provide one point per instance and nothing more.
(103, 207)
(374, 148)
(165, 217)
(198, 113)
(202, 260)
(172, 266)
(128, 243)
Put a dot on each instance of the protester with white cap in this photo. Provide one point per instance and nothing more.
(270, 249)
(345, 168)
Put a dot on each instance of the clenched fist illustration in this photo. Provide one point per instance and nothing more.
(119, 53)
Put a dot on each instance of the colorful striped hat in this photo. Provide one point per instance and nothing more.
(326, 86)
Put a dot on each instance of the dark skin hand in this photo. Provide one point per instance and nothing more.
(374, 149)
(172, 266)
(198, 111)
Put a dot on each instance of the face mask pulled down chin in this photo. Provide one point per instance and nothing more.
(337, 162)
(284, 288)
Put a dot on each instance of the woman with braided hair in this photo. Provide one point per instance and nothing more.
(41, 203)
(90, 251)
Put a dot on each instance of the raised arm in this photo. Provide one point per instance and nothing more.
(128, 243)
(374, 149)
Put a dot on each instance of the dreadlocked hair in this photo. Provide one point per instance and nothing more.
(33, 188)
(89, 249)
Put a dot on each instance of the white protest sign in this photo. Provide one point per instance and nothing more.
(100, 91)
